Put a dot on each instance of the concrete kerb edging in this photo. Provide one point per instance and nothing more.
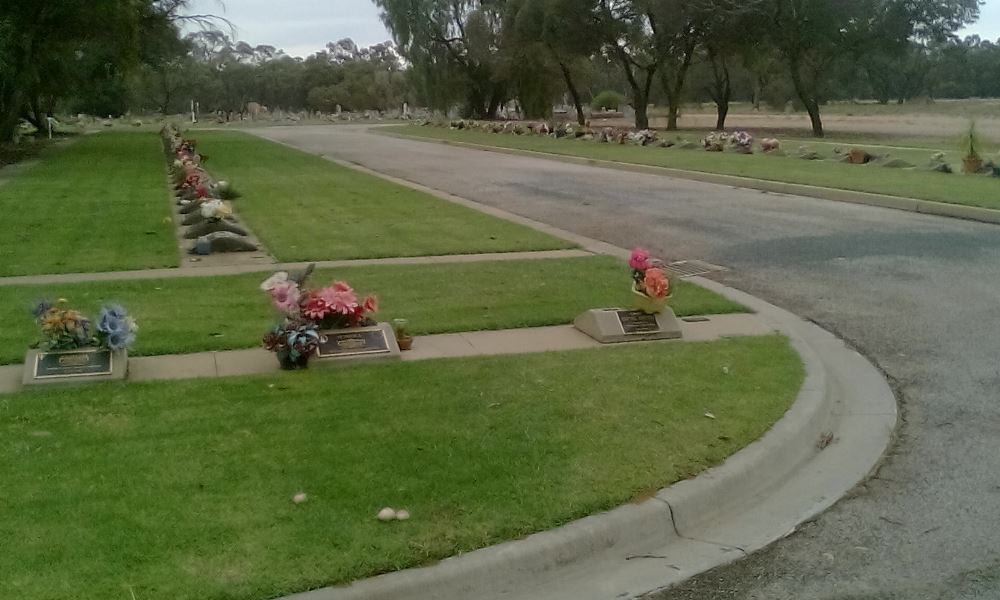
(703, 510)
(929, 207)
(729, 496)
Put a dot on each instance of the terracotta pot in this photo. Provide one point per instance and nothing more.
(972, 164)
(405, 343)
(858, 157)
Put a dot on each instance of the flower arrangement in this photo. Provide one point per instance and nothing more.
(650, 283)
(65, 328)
(742, 141)
(216, 210)
(715, 141)
(294, 341)
(305, 312)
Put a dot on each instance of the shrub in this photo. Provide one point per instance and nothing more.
(607, 99)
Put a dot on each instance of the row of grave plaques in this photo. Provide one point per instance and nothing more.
(100, 364)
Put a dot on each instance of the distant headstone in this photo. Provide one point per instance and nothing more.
(222, 241)
(628, 113)
(207, 227)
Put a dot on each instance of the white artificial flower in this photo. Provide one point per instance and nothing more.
(210, 209)
(271, 282)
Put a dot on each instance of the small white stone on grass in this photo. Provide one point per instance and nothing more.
(402, 515)
(386, 514)
(709, 415)
(300, 498)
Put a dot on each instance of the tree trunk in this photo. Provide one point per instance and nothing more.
(722, 91)
(574, 93)
(723, 111)
(812, 107)
(641, 112)
(808, 99)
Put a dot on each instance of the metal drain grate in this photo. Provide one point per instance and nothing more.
(690, 268)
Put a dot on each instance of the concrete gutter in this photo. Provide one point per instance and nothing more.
(930, 207)
(832, 438)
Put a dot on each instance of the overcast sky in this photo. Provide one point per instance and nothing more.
(302, 27)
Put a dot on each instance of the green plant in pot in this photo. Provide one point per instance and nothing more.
(972, 162)
(403, 336)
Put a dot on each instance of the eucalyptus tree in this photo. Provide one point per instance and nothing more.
(456, 46)
(627, 29)
(729, 32)
(812, 35)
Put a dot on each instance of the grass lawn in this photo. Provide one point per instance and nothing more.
(954, 189)
(182, 490)
(99, 204)
(304, 207)
(222, 313)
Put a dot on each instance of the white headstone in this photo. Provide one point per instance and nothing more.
(628, 113)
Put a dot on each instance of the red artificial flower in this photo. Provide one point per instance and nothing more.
(316, 307)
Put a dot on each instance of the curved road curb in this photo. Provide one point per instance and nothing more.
(929, 207)
(833, 437)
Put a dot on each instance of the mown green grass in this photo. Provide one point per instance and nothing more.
(183, 490)
(304, 207)
(954, 189)
(183, 315)
(99, 204)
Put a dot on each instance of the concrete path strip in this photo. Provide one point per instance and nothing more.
(929, 207)
(268, 267)
(832, 438)
(257, 361)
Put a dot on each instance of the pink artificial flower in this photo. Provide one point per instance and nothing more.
(285, 296)
(370, 305)
(341, 298)
(639, 260)
(341, 286)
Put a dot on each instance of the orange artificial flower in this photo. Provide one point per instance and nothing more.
(656, 283)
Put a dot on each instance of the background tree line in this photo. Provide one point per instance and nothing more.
(483, 53)
(112, 56)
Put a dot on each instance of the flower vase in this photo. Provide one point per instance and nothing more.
(650, 306)
(291, 364)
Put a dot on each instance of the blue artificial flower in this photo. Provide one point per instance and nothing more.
(120, 340)
(113, 319)
(115, 310)
(41, 308)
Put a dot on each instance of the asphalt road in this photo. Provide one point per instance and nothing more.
(918, 295)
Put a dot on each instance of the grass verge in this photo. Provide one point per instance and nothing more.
(304, 207)
(99, 204)
(953, 189)
(223, 313)
(182, 490)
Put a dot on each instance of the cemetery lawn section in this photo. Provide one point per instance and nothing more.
(304, 207)
(981, 191)
(183, 315)
(98, 204)
(183, 490)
